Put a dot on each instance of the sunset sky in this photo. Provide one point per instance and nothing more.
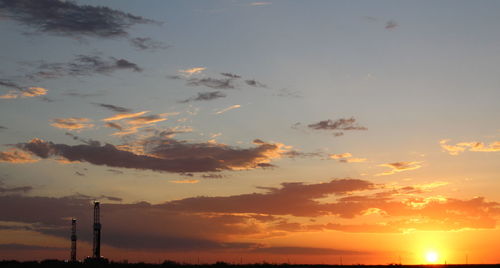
(239, 131)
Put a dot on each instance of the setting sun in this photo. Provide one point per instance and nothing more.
(431, 256)
(250, 132)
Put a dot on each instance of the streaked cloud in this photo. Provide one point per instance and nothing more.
(147, 43)
(256, 4)
(113, 108)
(124, 116)
(212, 176)
(254, 83)
(67, 18)
(215, 83)
(227, 81)
(231, 75)
(472, 146)
(228, 109)
(340, 156)
(114, 125)
(185, 181)
(83, 65)
(346, 158)
(72, 123)
(191, 71)
(205, 96)
(130, 123)
(9, 84)
(16, 156)
(146, 119)
(400, 167)
(337, 127)
(163, 154)
(25, 93)
(391, 24)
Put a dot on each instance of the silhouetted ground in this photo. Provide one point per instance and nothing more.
(171, 264)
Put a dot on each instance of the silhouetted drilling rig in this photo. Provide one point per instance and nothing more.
(96, 246)
(73, 240)
(96, 250)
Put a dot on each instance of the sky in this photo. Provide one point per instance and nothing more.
(239, 131)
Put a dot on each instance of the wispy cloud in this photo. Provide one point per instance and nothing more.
(147, 43)
(191, 71)
(212, 176)
(113, 108)
(215, 83)
(472, 146)
(83, 65)
(124, 116)
(72, 123)
(9, 84)
(227, 81)
(228, 109)
(205, 96)
(391, 24)
(133, 124)
(254, 83)
(400, 167)
(25, 93)
(130, 123)
(346, 158)
(67, 18)
(258, 4)
(114, 125)
(337, 127)
(185, 181)
(230, 75)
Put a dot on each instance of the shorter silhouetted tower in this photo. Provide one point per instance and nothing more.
(96, 252)
(73, 240)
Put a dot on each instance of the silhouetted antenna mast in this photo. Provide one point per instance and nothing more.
(73, 240)
(97, 232)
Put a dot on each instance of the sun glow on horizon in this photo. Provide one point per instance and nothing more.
(431, 256)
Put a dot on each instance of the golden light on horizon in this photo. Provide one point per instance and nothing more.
(431, 256)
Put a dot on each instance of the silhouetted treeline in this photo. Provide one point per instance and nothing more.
(172, 264)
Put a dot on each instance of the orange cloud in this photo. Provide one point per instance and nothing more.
(353, 160)
(346, 158)
(400, 167)
(185, 181)
(339, 156)
(228, 109)
(195, 70)
(28, 93)
(134, 121)
(123, 116)
(145, 120)
(473, 146)
(16, 156)
(72, 123)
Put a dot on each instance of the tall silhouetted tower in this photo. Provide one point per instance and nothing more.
(97, 232)
(73, 240)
